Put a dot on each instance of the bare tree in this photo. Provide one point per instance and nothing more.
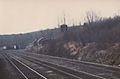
(92, 17)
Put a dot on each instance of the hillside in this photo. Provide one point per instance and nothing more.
(22, 40)
(97, 42)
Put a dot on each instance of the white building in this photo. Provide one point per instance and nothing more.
(4, 47)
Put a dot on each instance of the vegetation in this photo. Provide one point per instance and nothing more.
(97, 40)
(105, 30)
(22, 40)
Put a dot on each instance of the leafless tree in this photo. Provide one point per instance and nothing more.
(92, 17)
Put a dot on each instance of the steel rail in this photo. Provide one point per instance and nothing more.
(23, 74)
(114, 69)
(62, 69)
(16, 67)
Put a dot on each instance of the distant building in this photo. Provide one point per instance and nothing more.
(4, 47)
(10, 47)
(64, 27)
(14, 47)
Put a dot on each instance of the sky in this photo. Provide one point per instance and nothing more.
(22, 16)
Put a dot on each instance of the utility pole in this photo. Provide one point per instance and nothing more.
(64, 19)
(58, 21)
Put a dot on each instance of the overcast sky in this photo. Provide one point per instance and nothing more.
(18, 16)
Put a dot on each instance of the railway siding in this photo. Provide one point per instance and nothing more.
(96, 69)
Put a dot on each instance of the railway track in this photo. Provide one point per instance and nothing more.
(73, 74)
(104, 71)
(15, 62)
(25, 71)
